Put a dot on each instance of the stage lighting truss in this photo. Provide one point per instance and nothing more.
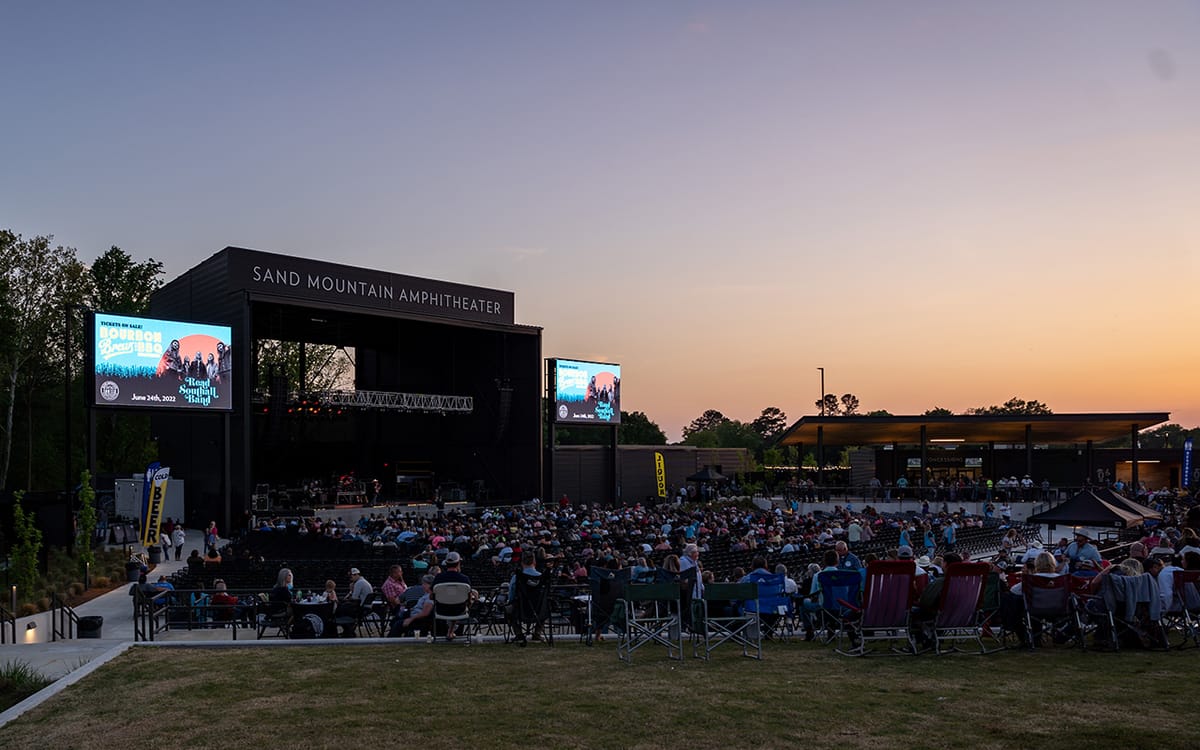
(335, 402)
(391, 401)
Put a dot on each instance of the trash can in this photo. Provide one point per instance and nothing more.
(132, 571)
(155, 554)
(90, 626)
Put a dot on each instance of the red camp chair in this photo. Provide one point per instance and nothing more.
(886, 609)
(959, 606)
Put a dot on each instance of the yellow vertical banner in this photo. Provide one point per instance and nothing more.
(660, 473)
(154, 496)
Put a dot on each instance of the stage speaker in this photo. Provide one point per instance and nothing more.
(503, 409)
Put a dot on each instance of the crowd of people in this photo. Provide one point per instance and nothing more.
(563, 542)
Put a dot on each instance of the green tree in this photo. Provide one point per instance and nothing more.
(85, 529)
(845, 406)
(829, 406)
(325, 367)
(637, 429)
(774, 457)
(706, 421)
(40, 281)
(879, 413)
(734, 434)
(849, 404)
(1012, 406)
(938, 411)
(27, 545)
(770, 423)
(120, 285)
(1169, 435)
(702, 439)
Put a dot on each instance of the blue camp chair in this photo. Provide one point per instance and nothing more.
(773, 605)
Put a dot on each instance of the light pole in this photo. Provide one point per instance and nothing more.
(822, 369)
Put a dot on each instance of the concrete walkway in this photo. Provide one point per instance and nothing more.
(55, 659)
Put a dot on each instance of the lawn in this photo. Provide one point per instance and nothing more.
(490, 696)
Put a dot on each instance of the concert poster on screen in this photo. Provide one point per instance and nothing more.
(587, 392)
(161, 364)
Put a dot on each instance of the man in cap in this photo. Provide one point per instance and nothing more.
(360, 588)
(452, 574)
(1082, 553)
(349, 611)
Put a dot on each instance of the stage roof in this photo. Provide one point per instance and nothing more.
(1050, 429)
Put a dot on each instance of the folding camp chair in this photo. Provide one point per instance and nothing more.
(374, 621)
(727, 620)
(886, 609)
(990, 610)
(651, 616)
(348, 617)
(1050, 604)
(529, 614)
(452, 605)
(959, 615)
(275, 616)
(773, 605)
(1134, 610)
(839, 594)
(605, 589)
(1184, 613)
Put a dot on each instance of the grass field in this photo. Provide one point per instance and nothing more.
(490, 696)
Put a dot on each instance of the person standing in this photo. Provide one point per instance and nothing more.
(164, 538)
(211, 536)
(178, 538)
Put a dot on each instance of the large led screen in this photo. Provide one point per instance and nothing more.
(586, 392)
(161, 364)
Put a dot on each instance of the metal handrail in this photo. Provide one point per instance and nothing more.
(8, 624)
(63, 619)
(181, 609)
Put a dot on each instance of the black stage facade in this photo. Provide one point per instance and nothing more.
(443, 394)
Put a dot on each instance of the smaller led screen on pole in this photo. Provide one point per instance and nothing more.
(161, 364)
(586, 392)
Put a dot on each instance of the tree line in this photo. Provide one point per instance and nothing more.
(45, 292)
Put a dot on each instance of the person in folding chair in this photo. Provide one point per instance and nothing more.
(811, 606)
(420, 618)
(773, 605)
(927, 605)
(393, 592)
(1125, 604)
(452, 574)
(528, 607)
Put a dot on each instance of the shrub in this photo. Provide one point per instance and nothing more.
(43, 604)
(101, 582)
(76, 588)
(26, 546)
(27, 609)
(18, 681)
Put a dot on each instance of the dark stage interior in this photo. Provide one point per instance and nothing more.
(299, 440)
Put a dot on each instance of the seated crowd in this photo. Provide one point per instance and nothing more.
(724, 543)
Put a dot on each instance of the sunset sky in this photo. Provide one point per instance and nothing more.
(942, 204)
